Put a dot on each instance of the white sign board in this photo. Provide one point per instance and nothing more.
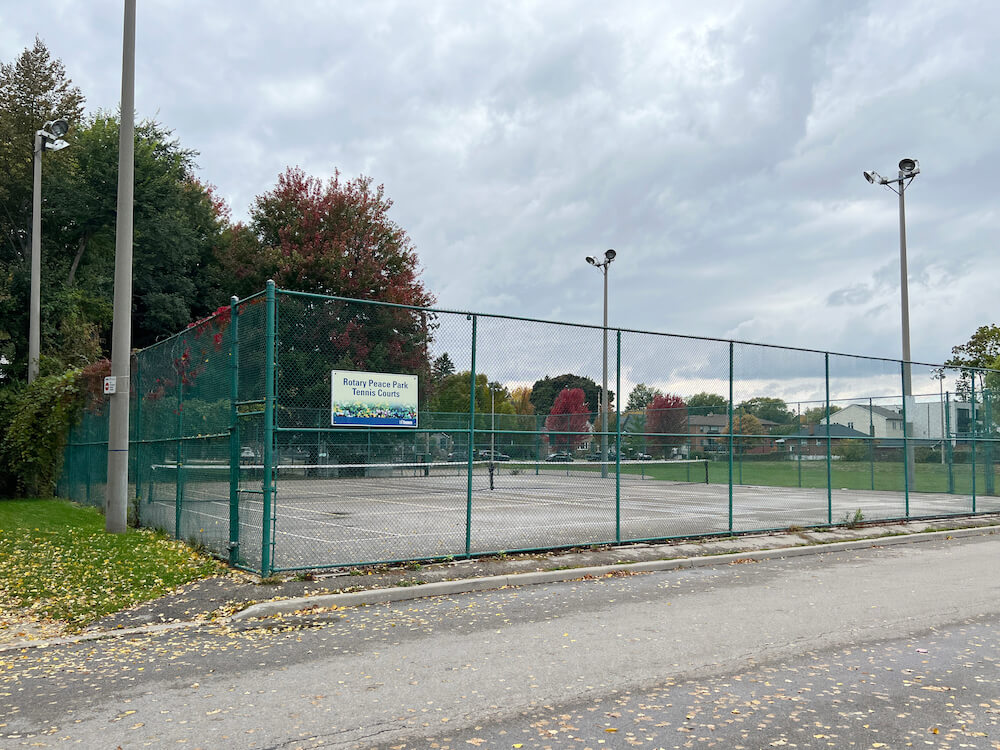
(373, 399)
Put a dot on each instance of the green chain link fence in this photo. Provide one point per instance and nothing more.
(233, 444)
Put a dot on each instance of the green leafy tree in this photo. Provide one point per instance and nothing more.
(641, 396)
(772, 409)
(817, 414)
(34, 88)
(982, 350)
(707, 403)
(442, 368)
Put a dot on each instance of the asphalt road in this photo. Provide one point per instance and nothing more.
(873, 648)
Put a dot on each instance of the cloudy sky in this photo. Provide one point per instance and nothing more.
(717, 146)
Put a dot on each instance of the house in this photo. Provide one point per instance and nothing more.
(810, 439)
(709, 434)
(869, 420)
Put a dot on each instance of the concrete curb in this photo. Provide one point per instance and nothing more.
(463, 586)
(98, 635)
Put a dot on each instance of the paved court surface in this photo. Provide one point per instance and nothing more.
(336, 521)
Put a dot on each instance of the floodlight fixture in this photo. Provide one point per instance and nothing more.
(58, 128)
(909, 167)
(57, 145)
(870, 176)
(610, 255)
(591, 260)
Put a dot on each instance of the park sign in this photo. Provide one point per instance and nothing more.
(373, 399)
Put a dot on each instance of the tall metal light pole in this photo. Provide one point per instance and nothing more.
(908, 169)
(609, 255)
(116, 509)
(49, 138)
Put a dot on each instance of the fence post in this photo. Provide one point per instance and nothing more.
(871, 442)
(906, 443)
(948, 445)
(618, 441)
(829, 443)
(179, 460)
(268, 473)
(972, 438)
(472, 442)
(137, 436)
(732, 430)
(988, 447)
(234, 431)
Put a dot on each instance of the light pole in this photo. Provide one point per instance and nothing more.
(116, 508)
(609, 255)
(49, 138)
(908, 169)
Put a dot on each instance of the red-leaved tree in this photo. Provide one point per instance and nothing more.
(666, 414)
(569, 414)
(332, 238)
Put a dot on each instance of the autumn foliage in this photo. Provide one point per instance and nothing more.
(569, 414)
(666, 413)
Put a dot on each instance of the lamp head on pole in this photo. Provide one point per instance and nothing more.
(591, 260)
(609, 255)
(58, 127)
(909, 167)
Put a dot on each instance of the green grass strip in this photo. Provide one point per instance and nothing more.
(58, 562)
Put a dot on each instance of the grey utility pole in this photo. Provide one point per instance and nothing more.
(49, 138)
(116, 509)
(908, 169)
(609, 256)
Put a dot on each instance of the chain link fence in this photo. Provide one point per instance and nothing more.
(297, 431)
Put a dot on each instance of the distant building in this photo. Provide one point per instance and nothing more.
(810, 440)
(870, 421)
(928, 420)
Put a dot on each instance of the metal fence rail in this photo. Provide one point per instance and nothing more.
(232, 444)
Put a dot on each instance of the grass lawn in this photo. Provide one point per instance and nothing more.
(58, 562)
(853, 475)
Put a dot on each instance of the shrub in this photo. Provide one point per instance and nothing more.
(34, 442)
(850, 450)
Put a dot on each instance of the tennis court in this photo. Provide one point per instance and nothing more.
(326, 515)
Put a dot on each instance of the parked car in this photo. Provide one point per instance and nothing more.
(643, 457)
(560, 457)
(248, 455)
(488, 455)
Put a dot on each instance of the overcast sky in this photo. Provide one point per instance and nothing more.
(717, 146)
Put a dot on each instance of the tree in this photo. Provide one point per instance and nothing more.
(520, 397)
(545, 391)
(569, 414)
(641, 396)
(333, 238)
(817, 414)
(771, 409)
(34, 88)
(982, 350)
(442, 368)
(744, 424)
(707, 403)
(666, 413)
